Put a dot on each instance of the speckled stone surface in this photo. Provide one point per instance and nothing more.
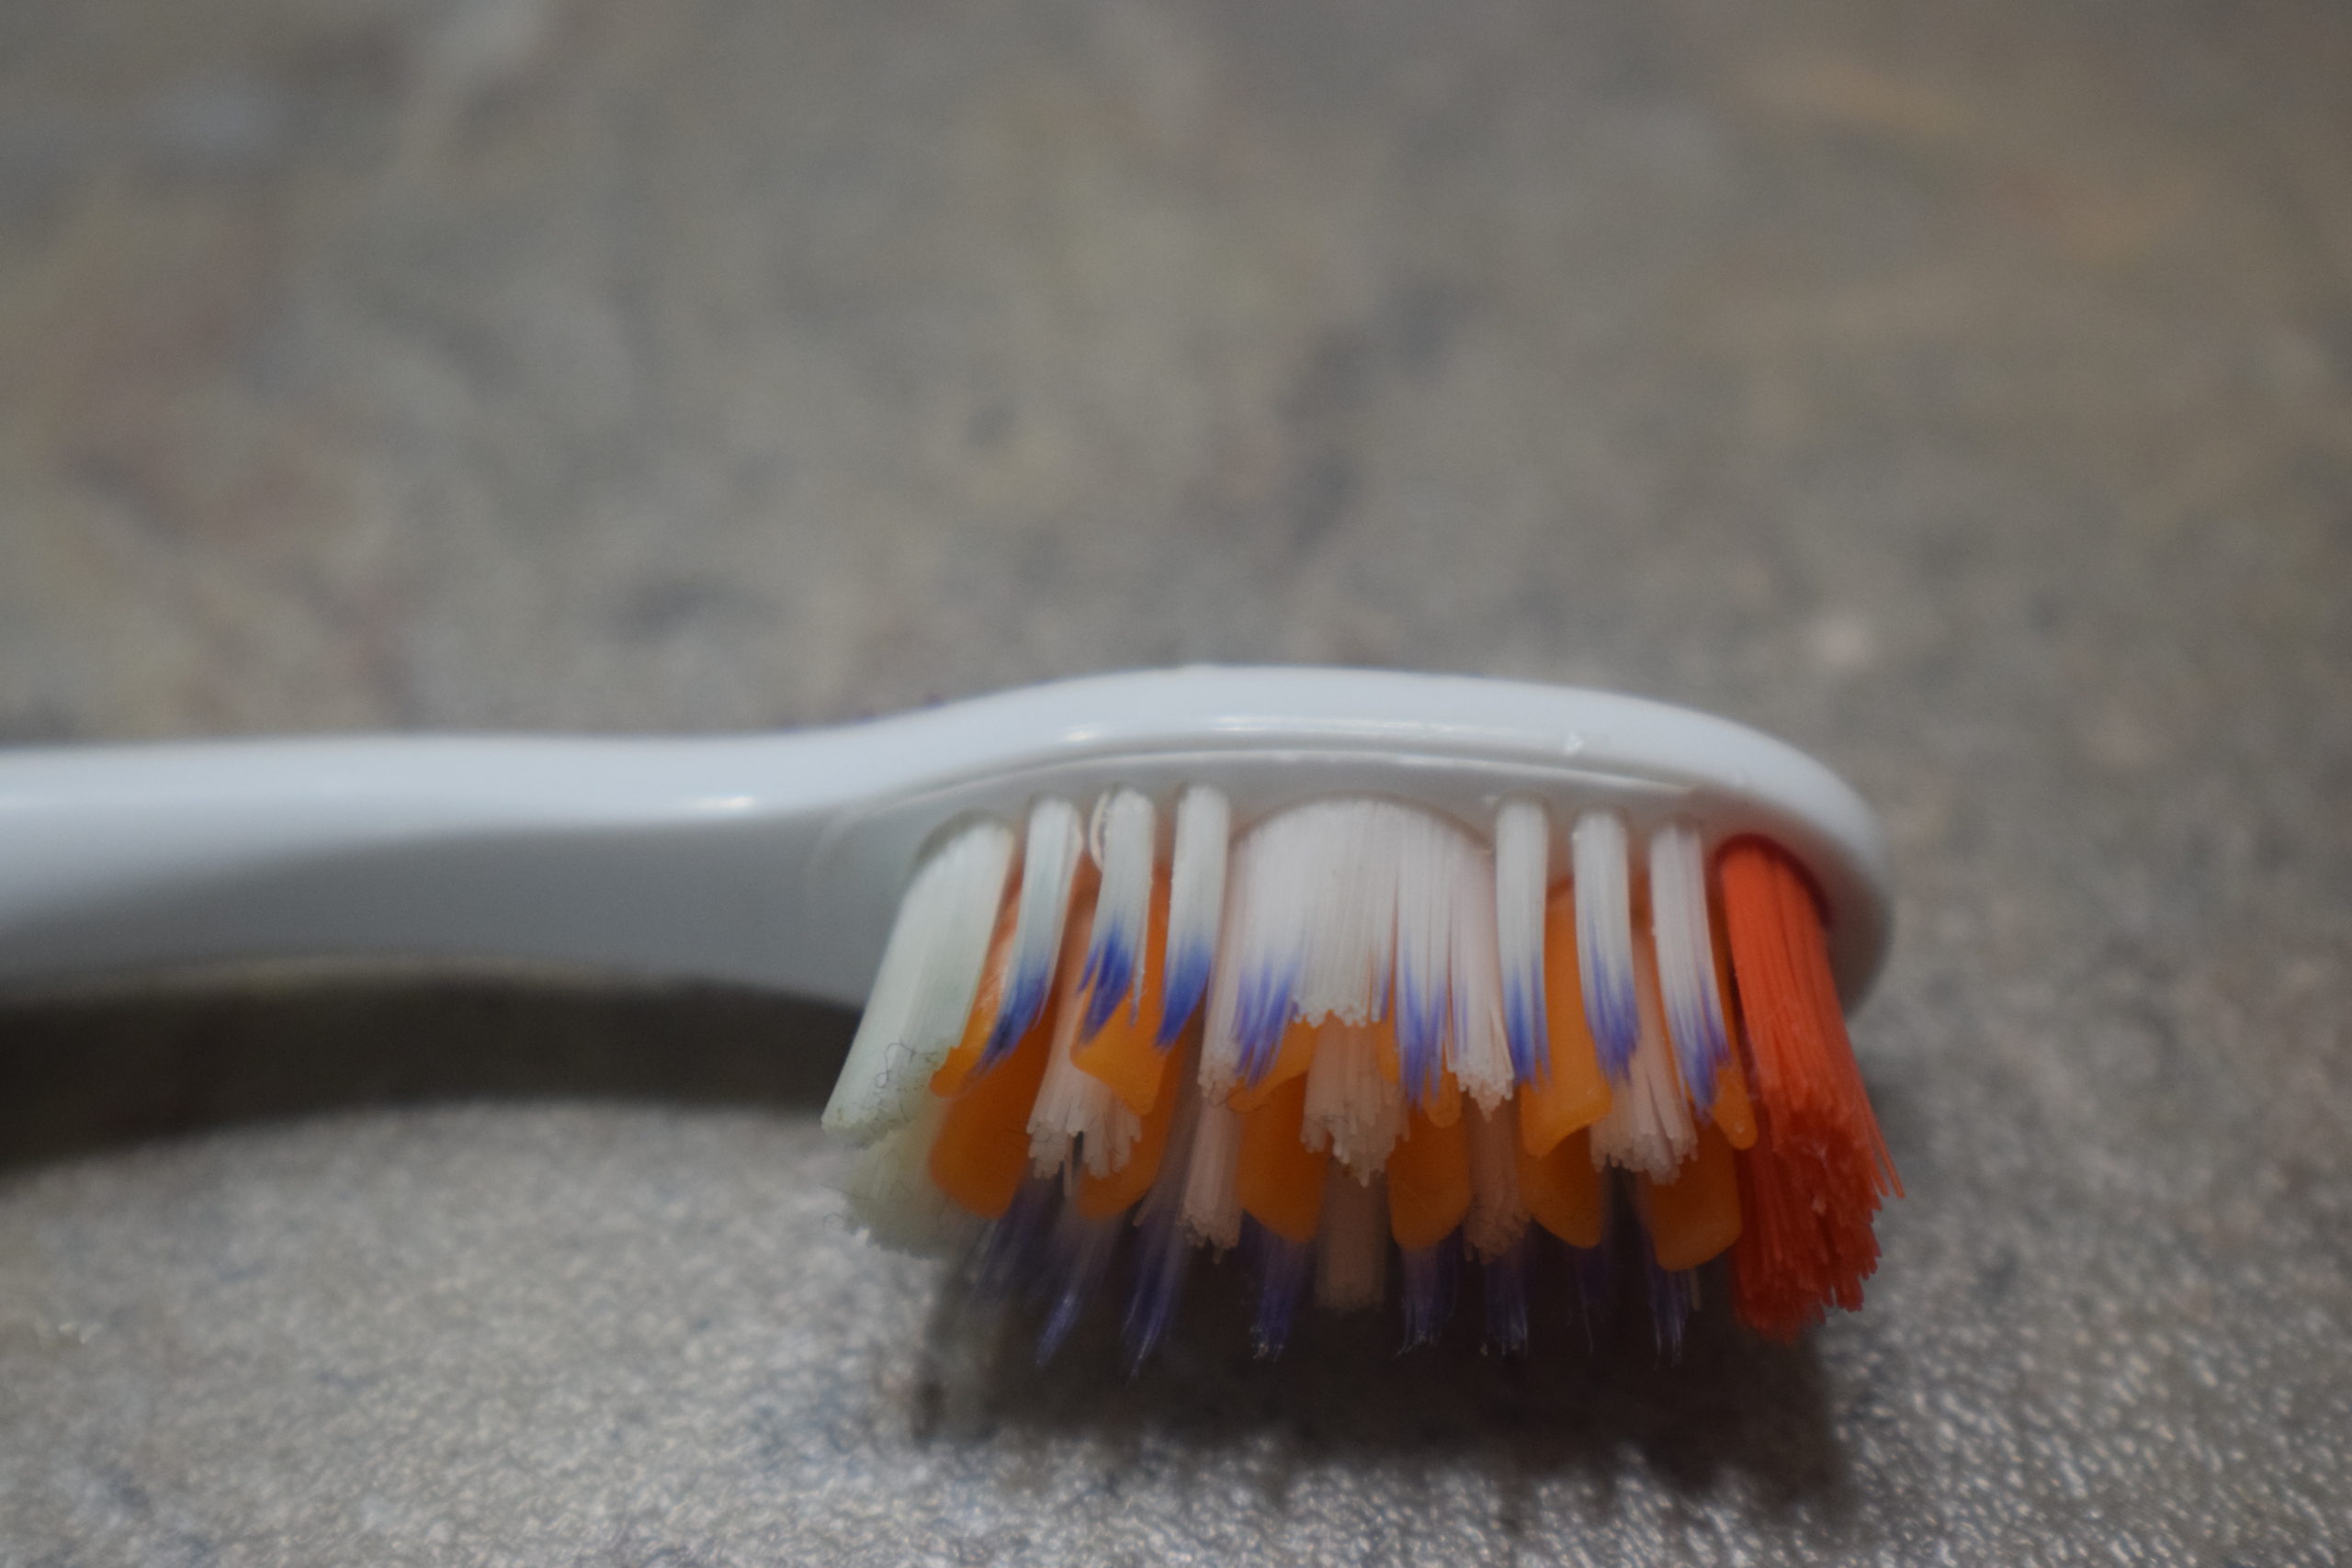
(1965, 393)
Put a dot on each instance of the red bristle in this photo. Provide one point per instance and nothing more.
(1811, 1184)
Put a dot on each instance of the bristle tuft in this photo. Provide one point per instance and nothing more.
(1674, 1296)
(1498, 1218)
(1605, 937)
(1075, 1111)
(1523, 876)
(1286, 1269)
(1812, 1183)
(924, 988)
(1648, 1128)
(1429, 1290)
(1082, 1246)
(1049, 865)
(1212, 1204)
(1506, 1281)
(1352, 1110)
(1685, 963)
(1195, 905)
(1122, 841)
(1352, 1249)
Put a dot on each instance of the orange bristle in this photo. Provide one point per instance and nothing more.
(1293, 1056)
(982, 1150)
(1563, 1191)
(1126, 1056)
(1695, 1216)
(1277, 1178)
(1784, 1171)
(1429, 1180)
(1574, 1093)
(1100, 1196)
(1812, 1183)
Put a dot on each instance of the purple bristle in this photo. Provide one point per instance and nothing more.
(1025, 1001)
(1429, 1290)
(1187, 983)
(1080, 1253)
(1284, 1270)
(1162, 1258)
(1261, 1013)
(1506, 1281)
(1013, 1249)
(1674, 1295)
(1615, 1020)
(1421, 1035)
(1531, 1044)
(1108, 977)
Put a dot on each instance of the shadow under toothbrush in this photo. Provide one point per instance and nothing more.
(101, 1067)
(1732, 1405)
(106, 1065)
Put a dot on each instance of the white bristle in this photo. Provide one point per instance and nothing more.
(1424, 949)
(1353, 1109)
(923, 993)
(1351, 1247)
(1686, 959)
(1523, 880)
(1220, 1066)
(1339, 854)
(1073, 1106)
(1497, 1217)
(1480, 1054)
(1299, 940)
(1648, 1127)
(891, 1194)
(1195, 903)
(1605, 936)
(1049, 862)
(1122, 840)
(1212, 1202)
(1357, 910)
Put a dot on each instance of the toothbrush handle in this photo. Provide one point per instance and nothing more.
(684, 858)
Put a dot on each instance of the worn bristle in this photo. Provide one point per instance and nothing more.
(1050, 867)
(1354, 1110)
(924, 991)
(1120, 841)
(1357, 1029)
(1077, 1115)
(1648, 1127)
(1686, 961)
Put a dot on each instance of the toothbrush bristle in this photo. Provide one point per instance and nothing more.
(1267, 1041)
(1048, 869)
(1113, 977)
(1814, 1179)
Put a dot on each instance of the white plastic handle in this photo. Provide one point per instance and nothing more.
(777, 860)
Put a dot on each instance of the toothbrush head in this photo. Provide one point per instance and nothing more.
(1350, 969)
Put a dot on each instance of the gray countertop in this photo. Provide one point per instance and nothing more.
(1962, 393)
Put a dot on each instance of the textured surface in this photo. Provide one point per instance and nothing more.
(1965, 393)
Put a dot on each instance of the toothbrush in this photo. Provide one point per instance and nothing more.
(1337, 968)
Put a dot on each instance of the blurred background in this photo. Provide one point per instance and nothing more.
(1963, 393)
